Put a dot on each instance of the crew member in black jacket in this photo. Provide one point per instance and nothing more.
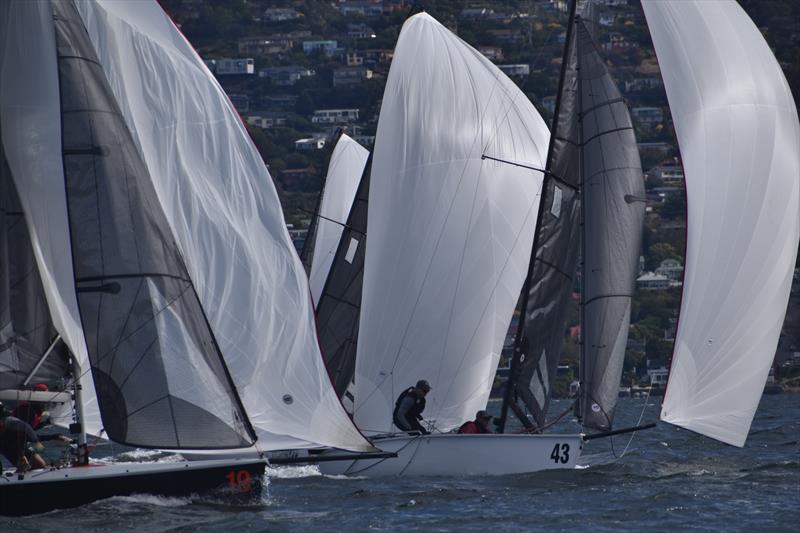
(409, 406)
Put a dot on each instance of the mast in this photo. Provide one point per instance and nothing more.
(582, 303)
(520, 348)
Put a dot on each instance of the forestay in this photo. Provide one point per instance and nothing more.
(450, 234)
(222, 207)
(344, 173)
(738, 132)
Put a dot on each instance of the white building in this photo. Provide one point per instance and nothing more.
(307, 145)
(671, 268)
(334, 116)
(231, 66)
(658, 376)
(650, 281)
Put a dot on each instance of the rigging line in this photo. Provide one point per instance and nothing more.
(547, 173)
(330, 220)
(639, 422)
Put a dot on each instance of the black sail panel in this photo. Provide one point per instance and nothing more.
(613, 196)
(555, 254)
(159, 376)
(339, 305)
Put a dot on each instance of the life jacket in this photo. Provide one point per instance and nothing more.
(413, 414)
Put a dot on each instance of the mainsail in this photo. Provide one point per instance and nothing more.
(612, 196)
(344, 173)
(450, 232)
(739, 137)
(222, 208)
(339, 308)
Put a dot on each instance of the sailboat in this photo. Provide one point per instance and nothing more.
(450, 233)
(158, 242)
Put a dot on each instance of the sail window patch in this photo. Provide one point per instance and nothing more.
(351, 250)
(555, 209)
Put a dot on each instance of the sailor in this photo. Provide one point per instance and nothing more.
(479, 425)
(409, 406)
(14, 437)
(33, 413)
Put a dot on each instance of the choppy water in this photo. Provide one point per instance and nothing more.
(668, 480)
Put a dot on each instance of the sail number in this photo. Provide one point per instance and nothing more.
(240, 481)
(560, 453)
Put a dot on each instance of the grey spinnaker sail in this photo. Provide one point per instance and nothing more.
(339, 308)
(159, 377)
(555, 252)
(612, 192)
(26, 329)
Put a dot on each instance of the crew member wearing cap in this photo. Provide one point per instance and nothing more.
(14, 436)
(409, 406)
(479, 425)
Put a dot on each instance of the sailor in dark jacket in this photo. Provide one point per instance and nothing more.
(409, 406)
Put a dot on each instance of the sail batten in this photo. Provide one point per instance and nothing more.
(739, 137)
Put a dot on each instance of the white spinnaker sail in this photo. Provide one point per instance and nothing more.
(450, 234)
(224, 211)
(738, 132)
(30, 111)
(344, 174)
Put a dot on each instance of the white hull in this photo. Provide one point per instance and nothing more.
(460, 455)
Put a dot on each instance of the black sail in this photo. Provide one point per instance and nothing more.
(550, 280)
(613, 213)
(339, 305)
(159, 376)
(26, 328)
